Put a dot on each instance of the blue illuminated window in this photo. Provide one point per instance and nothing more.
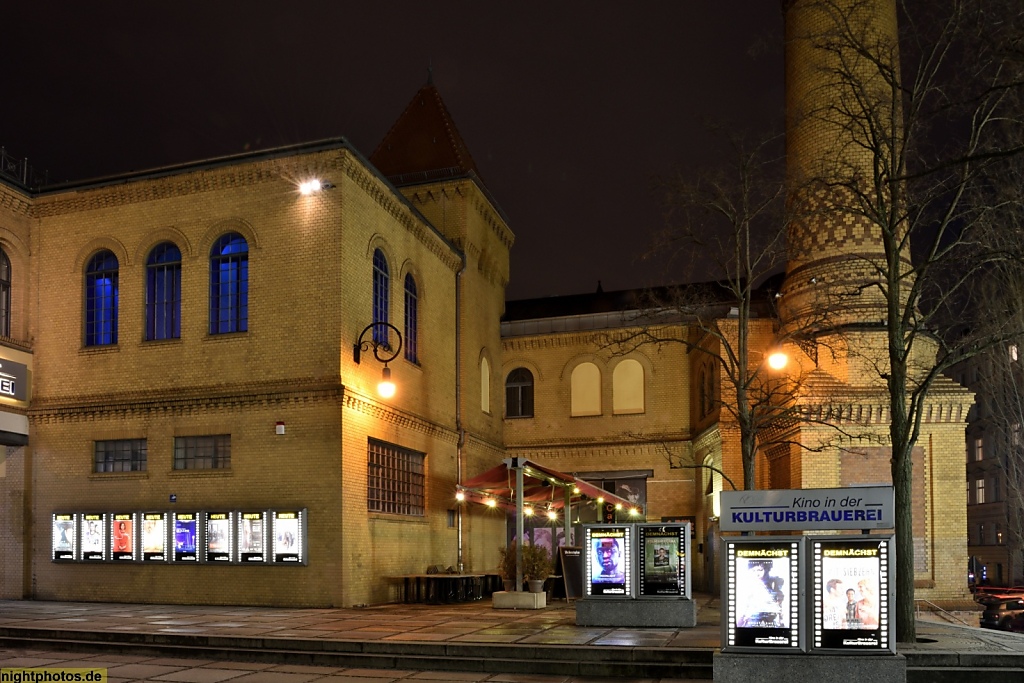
(411, 319)
(380, 296)
(229, 285)
(163, 292)
(101, 294)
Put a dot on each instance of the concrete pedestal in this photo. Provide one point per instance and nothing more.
(744, 668)
(636, 613)
(518, 600)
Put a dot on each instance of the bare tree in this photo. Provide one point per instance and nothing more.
(917, 131)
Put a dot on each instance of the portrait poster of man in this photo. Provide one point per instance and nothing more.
(185, 537)
(847, 595)
(762, 594)
(122, 537)
(93, 537)
(608, 570)
(63, 537)
(662, 560)
(286, 537)
(218, 537)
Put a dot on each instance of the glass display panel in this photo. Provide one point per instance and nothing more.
(852, 610)
(662, 563)
(154, 537)
(64, 538)
(122, 536)
(609, 561)
(762, 589)
(186, 533)
(94, 537)
(219, 537)
(288, 536)
(252, 537)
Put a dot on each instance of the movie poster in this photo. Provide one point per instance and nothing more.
(762, 593)
(288, 536)
(122, 536)
(608, 561)
(154, 537)
(252, 544)
(850, 599)
(94, 537)
(64, 539)
(185, 531)
(662, 561)
(219, 537)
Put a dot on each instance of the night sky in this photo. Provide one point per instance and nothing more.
(573, 111)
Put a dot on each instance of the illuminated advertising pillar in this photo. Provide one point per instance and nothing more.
(154, 537)
(663, 560)
(122, 537)
(609, 561)
(94, 537)
(850, 595)
(252, 537)
(762, 586)
(289, 536)
(219, 537)
(64, 536)
(185, 535)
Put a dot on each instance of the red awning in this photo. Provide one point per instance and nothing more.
(541, 486)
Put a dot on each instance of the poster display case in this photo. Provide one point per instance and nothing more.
(154, 537)
(252, 537)
(762, 591)
(608, 567)
(64, 536)
(219, 537)
(289, 536)
(122, 537)
(851, 598)
(94, 538)
(185, 536)
(663, 566)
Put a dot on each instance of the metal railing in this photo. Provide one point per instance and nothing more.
(20, 171)
(935, 608)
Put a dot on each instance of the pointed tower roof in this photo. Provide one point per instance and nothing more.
(423, 143)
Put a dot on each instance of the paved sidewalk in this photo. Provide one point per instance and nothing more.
(467, 623)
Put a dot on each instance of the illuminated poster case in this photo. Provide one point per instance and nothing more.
(252, 537)
(763, 590)
(94, 538)
(64, 535)
(123, 529)
(219, 537)
(663, 560)
(154, 536)
(185, 536)
(289, 536)
(609, 560)
(851, 597)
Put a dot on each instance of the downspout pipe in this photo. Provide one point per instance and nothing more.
(460, 444)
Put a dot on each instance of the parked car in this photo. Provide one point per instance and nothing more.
(990, 594)
(1000, 614)
(1017, 623)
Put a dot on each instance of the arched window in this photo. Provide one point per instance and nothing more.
(380, 296)
(519, 393)
(411, 319)
(101, 296)
(585, 390)
(485, 385)
(163, 292)
(229, 284)
(628, 387)
(5, 294)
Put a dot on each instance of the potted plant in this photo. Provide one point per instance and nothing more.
(507, 565)
(536, 567)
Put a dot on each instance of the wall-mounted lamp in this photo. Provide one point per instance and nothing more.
(314, 185)
(382, 351)
(777, 359)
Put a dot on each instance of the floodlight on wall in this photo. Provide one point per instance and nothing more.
(382, 351)
(460, 496)
(308, 187)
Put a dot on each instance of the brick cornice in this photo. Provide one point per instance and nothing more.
(15, 201)
(399, 418)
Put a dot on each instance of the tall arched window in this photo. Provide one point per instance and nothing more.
(585, 391)
(5, 294)
(381, 278)
(485, 385)
(229, 284)
(519, 393)
(411, 319)
(628, 387)
(163, 292)
(101, 296)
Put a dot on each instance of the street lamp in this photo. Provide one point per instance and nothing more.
(382, 351)
(777, 359)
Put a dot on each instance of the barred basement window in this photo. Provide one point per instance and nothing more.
(202, 452)
(120, 455)
(394, 479)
